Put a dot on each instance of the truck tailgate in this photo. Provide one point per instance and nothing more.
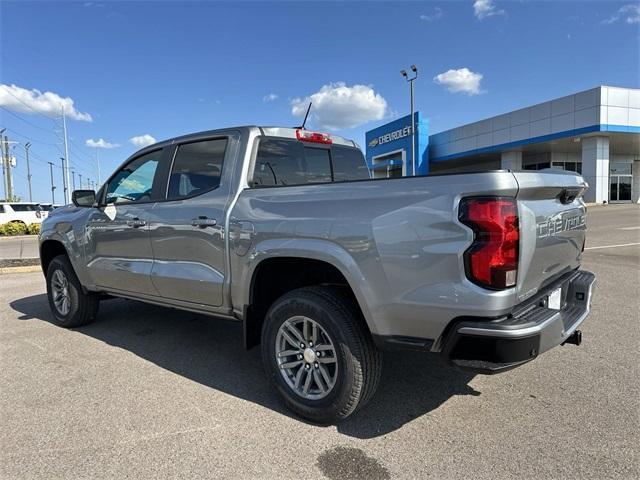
(552, 227)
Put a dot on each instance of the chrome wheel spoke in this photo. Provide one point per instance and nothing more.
(290, 339)
(326, 360)
(288, 353)
(301, 370)
(305, 330)
(318, 380)
(291, 364)
(307, 382)
(323, 348)
(296, 333)
(325, 375)
(314, 333)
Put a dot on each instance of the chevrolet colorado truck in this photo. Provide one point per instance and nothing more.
(283, 230)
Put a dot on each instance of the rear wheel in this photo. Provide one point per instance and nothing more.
(71, 307)
(319, 354)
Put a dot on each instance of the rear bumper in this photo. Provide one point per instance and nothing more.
(495, 345)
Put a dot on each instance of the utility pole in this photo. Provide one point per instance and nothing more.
(80, 176)
(414, 69)
(4, 165)
(64, 181)
(53, 187)
(27, 146)
(73, 179)
(7, 157)
(65, 162)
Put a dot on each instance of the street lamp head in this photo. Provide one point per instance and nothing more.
(414, 68)
(403, 73)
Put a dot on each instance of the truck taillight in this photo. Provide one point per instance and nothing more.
(492, 259)
(314, 137)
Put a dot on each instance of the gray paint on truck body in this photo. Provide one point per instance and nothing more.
(398, 242)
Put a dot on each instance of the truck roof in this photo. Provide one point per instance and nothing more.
(269, 131)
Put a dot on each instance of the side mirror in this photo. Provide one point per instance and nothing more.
(83, 198)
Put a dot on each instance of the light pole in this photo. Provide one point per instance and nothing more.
(414, 69)
(73, 179)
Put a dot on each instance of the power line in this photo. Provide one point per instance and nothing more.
(29, 106)
(30, 138)
(26, 121)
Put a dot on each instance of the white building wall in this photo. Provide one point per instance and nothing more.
(595, 168)
(604, 106)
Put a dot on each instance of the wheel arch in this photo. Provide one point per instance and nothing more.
(275, 275)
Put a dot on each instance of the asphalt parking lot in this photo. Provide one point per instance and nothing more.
(146, 392)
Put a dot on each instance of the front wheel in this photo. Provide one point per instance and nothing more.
(319, 354)
(70, 305)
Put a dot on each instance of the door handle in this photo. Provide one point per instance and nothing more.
(136, 222)
(203, 222)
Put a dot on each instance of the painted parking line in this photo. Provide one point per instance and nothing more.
(613, 246)
(630, 228)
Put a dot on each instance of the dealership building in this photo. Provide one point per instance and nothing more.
(595, 132)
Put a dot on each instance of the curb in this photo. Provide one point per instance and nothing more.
(17, 237)
(25, 269)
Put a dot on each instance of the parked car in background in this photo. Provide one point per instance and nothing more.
(22, 212)
(48, 207)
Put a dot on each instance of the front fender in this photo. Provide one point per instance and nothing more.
(67, 230)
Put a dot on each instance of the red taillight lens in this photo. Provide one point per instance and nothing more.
(492, 260)
(315, 137)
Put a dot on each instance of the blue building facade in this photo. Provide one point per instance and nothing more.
(388, 149)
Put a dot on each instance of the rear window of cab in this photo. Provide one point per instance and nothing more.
(284, 162)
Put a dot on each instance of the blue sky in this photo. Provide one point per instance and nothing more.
(167, 68)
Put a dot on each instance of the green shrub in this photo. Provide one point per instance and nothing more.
(13, 228)
(33, 229)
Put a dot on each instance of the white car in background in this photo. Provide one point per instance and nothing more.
(22, 212)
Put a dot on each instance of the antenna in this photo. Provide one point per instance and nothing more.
(306, 115)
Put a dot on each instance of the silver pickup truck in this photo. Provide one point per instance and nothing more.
(283, 230)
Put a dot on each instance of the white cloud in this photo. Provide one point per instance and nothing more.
(629, 14)
(100, 143)
(486, 8)
(436, 14)
(270, 98)
(34, 101)
(143, 140)
(337, 106)
(460, 80)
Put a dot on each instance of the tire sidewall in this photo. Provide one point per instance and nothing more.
(328, 407)
(73, 289)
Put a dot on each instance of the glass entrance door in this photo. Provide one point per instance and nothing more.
(620, 188)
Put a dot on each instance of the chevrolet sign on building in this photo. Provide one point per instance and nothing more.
(389, 148)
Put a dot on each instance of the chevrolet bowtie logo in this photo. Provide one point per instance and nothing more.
(374, 142)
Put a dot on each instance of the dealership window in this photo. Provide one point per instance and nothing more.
(569, 166)
(537, 166)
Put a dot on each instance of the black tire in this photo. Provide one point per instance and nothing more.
(83, 307)
(359, 363)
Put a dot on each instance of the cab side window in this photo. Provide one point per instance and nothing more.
(196, 168)
(133, 183)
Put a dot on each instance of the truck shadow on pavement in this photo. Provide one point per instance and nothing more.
(210, 352)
